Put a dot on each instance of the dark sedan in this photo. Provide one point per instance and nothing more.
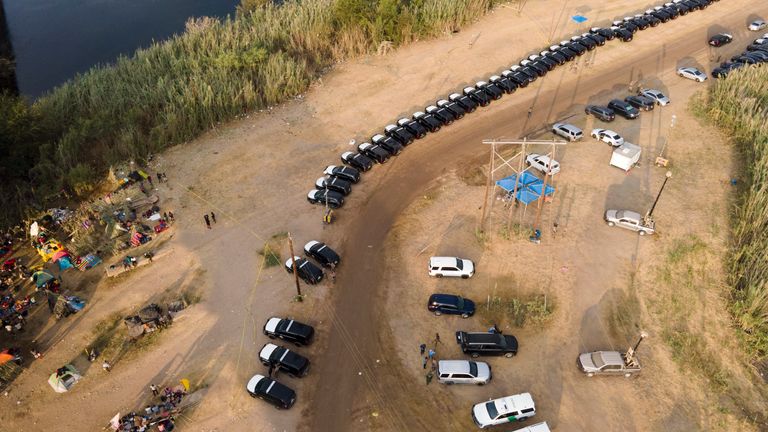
(289, 330)
(453, 107)
(445, 116)
(322, 196)
(465, 102)
(375, 152)
(640, 102)
(624, 109)
(604, 32)
(478, 96)
(323, 254)
(344, 172)
(393, 147)
(720, 39)
(309, 272)
(399, 134)
(450, 305)
(428, 121)
(413, 127)
(334, 183)
(601, 112)
(723, 70)
(357, 160)
(271, 391)
(492, 90)
(285, 360)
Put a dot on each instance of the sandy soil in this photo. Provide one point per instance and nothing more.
(255, 172)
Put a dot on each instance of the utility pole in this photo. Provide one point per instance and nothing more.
(653, 207)
(487, 187)
(295, 271)
(543, 196)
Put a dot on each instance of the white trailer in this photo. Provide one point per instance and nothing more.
(626, 156)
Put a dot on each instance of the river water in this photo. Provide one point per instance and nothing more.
(55, 39)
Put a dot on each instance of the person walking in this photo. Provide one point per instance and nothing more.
(170, 215)
(429, 377)
(107, 366)
(422, 348)
(437, 338)
(213, 217)
(207, 221)
(154, 389)
(431, 354)
(424, 362)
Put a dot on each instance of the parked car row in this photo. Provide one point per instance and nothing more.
(281, 359)
(331, 189)
(756, 53)
(308, 271)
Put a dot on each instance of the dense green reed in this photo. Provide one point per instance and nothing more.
(739, 104)
(216, 70)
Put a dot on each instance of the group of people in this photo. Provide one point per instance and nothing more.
(156, 416)
(429, 357)
(208, 219)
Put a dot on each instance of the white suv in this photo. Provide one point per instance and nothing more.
(567, 131)
(543, 163)
(451, 266)
(463, 372)
(503, 410)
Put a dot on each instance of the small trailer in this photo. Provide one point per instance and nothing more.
(626, 156)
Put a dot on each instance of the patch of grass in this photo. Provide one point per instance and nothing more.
(271, 256)
(624, 309)
(472, 175)
(690, 351)
(530, 310)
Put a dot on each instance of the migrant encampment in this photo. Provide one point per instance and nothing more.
(64, 378)
(147, 320)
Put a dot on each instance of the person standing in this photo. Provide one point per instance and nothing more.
(207, 221)
(107, 366)
(154, 389)
(422, 348)
(170, 215)
(424, 362)
(213, 217)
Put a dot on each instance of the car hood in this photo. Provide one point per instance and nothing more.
(483, 371)
(469, 305)
(481, 414)
(585, 361)
(469, 266)
(610, 214)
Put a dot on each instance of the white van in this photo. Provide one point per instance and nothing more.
(538, 427)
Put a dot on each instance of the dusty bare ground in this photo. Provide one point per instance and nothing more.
(254, 173)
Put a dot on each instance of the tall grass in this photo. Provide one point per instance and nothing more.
(739, 104)
(216, 70)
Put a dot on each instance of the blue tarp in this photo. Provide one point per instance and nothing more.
(529, 187)
(579, 18)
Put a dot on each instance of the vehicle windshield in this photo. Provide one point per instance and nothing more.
(597, 360)
(473, 368)
(459, 264)
(460, 303)
(491, 408)
(620, 214)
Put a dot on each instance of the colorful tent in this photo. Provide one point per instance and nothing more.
(87, 262)
(49, 249)
(529, 187)
(64, 378)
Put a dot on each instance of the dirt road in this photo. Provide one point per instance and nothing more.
(655, 54)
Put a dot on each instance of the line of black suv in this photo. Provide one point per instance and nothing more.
(337, 182)
(755, 54)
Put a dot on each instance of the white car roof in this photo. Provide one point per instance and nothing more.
(312, 193)
(443, 261)
(442, 102)
(494, 78)
(453, 95)
(418, 114)
(390, 127)
(364, 145)
(267, 351)
(453, 366)
(567, 126)
(481, 83)
(329, 169)
(431, 108)
(253, 382)
(538, 427)
(466, 89)
(272, 323)
(309, 244)
(288, 262)
(377, 137)
(628, 214)
(515, 402)
(320, 181)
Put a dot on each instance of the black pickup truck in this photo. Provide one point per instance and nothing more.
(487, 344)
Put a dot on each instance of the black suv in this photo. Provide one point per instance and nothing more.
(399, 134)
(271, 391)
(284, 359)
(504, 83)
(453, 107)
(477, 344)
(478, 96)
(604, 32)
(464, 101)
(344, 172)
(450, 305)
(624, 109)
(443, 114)
(603, 113)
(413, 127)
(323, 254)
(428, 121)
(641, 102)
(309, 272)
(289, 330)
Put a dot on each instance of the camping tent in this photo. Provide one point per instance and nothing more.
(64, 378)
(49, 249)
(626, 156)
(529, 187)
(41, 278)
(87, 262)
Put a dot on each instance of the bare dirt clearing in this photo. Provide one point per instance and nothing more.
(255, 173)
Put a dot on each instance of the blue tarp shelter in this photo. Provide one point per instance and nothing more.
(529, 187)
(579, 18)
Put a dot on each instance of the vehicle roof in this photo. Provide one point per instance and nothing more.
(418, 114)
(253, 382)
(568, 126)
(431, 108)
(310, 244)
(466, 89)
(444, 298)
(538, 427)
(378, 137)
(289, 263)
(267, 350)
(627, 214)
(453, 366)
(611, 357)
(443, 261)
(514, 403)
(272, 323)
